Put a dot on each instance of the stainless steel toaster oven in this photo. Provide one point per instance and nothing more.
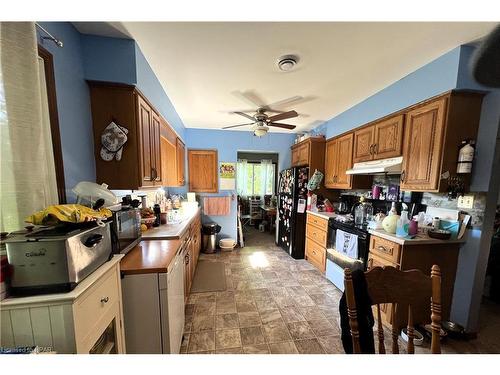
(55, 260)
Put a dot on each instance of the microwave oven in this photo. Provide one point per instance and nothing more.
(125, 230)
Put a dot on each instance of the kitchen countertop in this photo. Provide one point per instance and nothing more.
(421, 239)
(323, 215)
(170, 231)
(152, 256)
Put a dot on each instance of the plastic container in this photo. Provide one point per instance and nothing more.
(403, 225)
(87, 193)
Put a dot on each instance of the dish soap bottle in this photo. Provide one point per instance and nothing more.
(402, 227)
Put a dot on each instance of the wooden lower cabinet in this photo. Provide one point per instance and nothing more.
(384, 252)
(316, 240)
(192, 242)
(75, 322)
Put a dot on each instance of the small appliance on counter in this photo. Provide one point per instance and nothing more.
(56, 259)
(125, 229)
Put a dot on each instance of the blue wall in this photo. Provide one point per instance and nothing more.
(450, 71)
(73, 105)
(432, 79)
(109, 59)
(228, 143)
(151, 87)
(88, 57)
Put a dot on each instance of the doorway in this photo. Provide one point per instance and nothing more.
(257, 179)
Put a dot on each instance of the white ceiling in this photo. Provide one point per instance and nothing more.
(204, 67)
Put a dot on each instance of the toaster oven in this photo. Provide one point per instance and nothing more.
(55, 260)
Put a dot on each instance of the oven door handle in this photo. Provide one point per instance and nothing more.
(93, 240)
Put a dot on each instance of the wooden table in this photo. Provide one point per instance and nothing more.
(271, 213)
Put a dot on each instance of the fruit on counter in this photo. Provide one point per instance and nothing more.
(147, 213)
(144, 227)
(389, 223)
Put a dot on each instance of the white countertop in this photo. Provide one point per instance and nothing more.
(64, 297)
(170, 231)
(420, 239)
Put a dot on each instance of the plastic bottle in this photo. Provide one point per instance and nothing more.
(393, 210)
(402, 227)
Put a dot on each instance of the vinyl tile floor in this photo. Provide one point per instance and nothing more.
(275, 304)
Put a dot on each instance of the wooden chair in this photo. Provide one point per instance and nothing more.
(389, 285)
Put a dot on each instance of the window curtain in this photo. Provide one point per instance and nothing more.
(27, 170)
(267, 177)
(241, 177)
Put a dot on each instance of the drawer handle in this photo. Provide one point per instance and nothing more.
(104, 299)
(384, 249)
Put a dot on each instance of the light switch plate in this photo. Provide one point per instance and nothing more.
(465, 201)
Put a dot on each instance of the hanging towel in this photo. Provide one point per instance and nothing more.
(216, 206)
(347, 244)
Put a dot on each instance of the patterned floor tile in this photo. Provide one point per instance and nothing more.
(227, 321)
(201, 341)
(310, 346)
(227, 338)
(286, 347)
(252, 336)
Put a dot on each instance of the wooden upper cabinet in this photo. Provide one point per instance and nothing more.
(180, 156)
(364, 139)
(338, 161)
(388, 138)
(344, 161)
(203, 171)
(155, 147)
(145, 114)
(168, 162)
(330, 162)
(143, 155)
(379, 141)
(423, 143)
(303, 152)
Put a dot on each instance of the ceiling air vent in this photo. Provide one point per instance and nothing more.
(287, 62)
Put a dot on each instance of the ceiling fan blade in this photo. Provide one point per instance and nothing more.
(235, 126)
(244, 115)
(250, 97)
(285, 102)
(284, 126)
(283, 116)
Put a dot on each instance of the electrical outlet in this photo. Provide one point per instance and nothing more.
(465, 201)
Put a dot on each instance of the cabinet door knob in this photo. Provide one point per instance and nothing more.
(104, 299)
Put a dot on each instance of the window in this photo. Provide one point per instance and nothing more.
(256, 178)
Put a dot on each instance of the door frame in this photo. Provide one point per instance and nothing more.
(48, 63)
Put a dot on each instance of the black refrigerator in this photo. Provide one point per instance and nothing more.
(292, 200)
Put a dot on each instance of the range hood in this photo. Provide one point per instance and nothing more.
(384, 166)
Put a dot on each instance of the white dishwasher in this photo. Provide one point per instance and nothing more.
(153, 309)
(172, 302)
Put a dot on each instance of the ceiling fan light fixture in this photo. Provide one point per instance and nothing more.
(260, 131)
(287, 62)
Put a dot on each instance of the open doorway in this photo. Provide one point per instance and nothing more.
(257, 180)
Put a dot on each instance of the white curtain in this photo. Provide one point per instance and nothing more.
(27, 170)
(241, 177)
(267, 176)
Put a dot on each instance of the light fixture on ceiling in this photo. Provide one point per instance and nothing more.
(287, 62)
(260, 129)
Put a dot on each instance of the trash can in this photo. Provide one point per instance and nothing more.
(209, 231)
